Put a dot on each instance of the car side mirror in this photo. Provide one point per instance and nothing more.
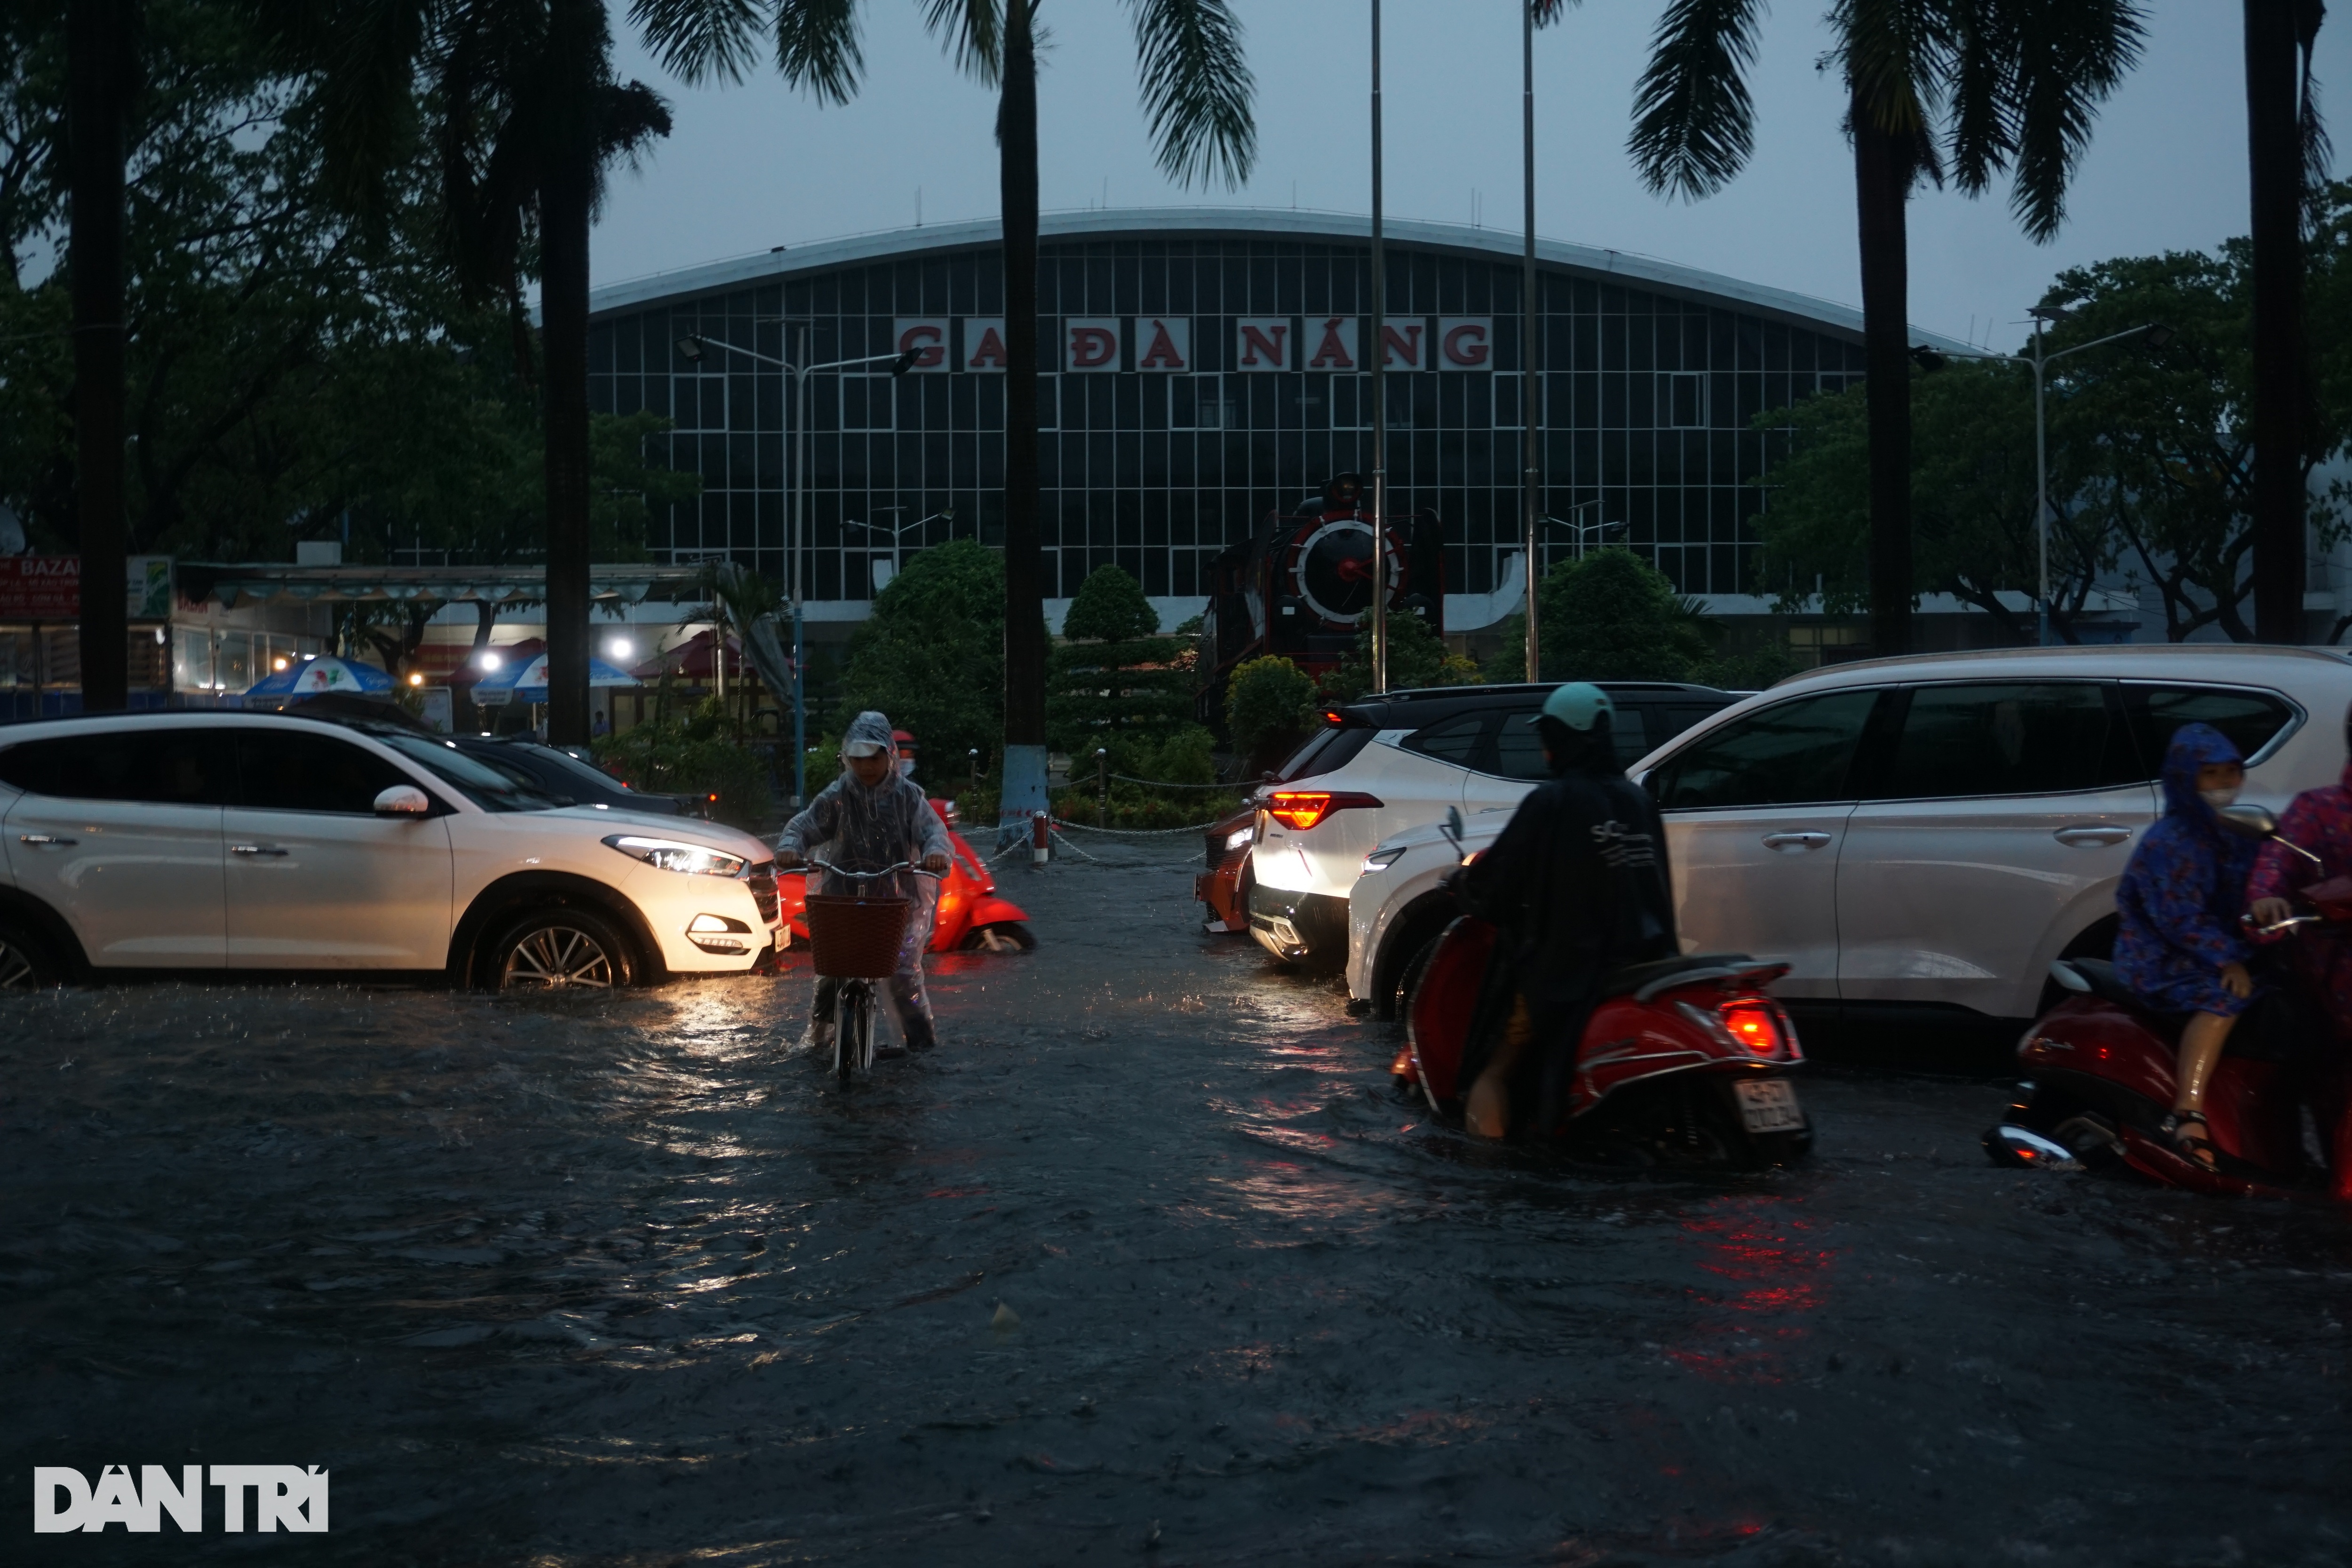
(1453, 827)
(2248, 821)
(403, 800)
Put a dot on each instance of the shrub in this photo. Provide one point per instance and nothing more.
(1269, 705)
(1417, 658)
(699, 754)
(1110, 607)
(931, 656)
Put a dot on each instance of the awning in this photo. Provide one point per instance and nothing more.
(272, 582)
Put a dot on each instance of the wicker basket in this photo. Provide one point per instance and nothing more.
(857, 939)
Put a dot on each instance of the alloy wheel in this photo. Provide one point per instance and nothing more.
(555, 955)
(18, 969)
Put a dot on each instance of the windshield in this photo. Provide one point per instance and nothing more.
(492, 789)
(586, 773)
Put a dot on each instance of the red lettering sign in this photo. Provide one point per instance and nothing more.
(1169, 345)
(1337, 351)
(1400, 346)
(1466, 342)
(983, 342)
(928, 336)
(40, 588)
(1093, 344)
(1263, 342)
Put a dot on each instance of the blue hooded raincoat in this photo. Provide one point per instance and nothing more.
(2184, 891)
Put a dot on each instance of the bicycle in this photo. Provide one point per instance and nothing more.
(855, 939)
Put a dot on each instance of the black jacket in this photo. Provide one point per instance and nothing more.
(1577, 886)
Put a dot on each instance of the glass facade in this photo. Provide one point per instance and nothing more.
(1197, 382)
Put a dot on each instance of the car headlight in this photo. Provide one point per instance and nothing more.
(1380, 860)
(1241, 835)
(671, 854)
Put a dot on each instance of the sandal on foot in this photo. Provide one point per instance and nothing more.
(2193, 1147)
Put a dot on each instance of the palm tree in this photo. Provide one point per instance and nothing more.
(1196, 95)
(1986, 86)
(102, 66)
(524, 117)
(2287, 158)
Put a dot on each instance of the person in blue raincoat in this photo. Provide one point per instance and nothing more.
(871, 816)
(2178, 945)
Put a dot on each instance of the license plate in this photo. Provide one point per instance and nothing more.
(1768, 1104)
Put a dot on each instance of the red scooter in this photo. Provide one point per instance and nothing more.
(968, 914)
(1685, 1061)
(2100, 1078)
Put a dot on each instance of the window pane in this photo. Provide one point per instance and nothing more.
(2000, 739)
(165, 767)
(1452, 740)
(1791, 753)
(283, 770)
(2251, 718)
(1518, 750)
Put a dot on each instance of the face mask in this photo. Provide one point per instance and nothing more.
(2218, 798)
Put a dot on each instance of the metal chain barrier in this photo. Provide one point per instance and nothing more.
(1162, 783)
(1138, 832)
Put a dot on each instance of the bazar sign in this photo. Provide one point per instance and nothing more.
(285, 1496)
(1091, 344)
(48, 588)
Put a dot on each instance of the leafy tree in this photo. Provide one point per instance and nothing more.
(1115, 684)
(1609, 616)
(1196, 94)
(1110, 607)
(1986, 86)
(1269, 706)
(931, 656)
(1417, 658)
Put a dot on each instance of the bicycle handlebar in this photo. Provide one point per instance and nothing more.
(870, 876)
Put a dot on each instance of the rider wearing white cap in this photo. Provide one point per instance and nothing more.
(869, 817)
(1577, 887)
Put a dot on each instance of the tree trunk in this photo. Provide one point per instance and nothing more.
(2275, 154)
(565, 199)
(1024, 762)
(99, 42)
(1882, 177)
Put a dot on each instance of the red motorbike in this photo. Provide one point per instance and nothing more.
(969, 915)
(2100, 1078)
(1685, 1061)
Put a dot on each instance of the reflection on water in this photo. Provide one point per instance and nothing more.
(1147, 1245)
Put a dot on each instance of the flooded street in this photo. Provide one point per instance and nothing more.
(1144, 1265)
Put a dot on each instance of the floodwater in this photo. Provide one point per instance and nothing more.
(1144, 1265)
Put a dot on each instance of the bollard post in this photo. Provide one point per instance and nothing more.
(1041, 827)
(1102, 787)
(975, 756)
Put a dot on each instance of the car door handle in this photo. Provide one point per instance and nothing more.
(260, 851)
(2098, 834)
(47, 840)
(1795, 840)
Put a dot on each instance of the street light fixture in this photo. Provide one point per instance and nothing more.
(2153, 334)
(945, 514)
(691, 347)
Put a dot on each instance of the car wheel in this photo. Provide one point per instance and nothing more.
(1002, 936)
(560, 948)
(26, 961)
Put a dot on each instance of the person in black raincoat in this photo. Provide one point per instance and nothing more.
(871, 816)
(1577, 887)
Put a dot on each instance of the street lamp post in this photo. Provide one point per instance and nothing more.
(691, 349)
(945, 514)
(1529, 360)
(2155, 334)
(1380, 352)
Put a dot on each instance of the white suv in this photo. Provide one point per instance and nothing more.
(1931, 832)
(244, 842)
(1398, 760)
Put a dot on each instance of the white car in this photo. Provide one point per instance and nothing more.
(1398, 760)
(246, 842)
(1925, 834)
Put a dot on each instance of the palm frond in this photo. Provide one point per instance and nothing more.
(2070, 57)
(630, 117)
(1983, 126)
(1896, 55)
(817, 47)
(1196, 88)
(366, 58)
(1694, 118)
(972, 32)
(1547, 12)
(2318, 152)
(700, 40)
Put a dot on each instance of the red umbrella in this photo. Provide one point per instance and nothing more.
(693, 659)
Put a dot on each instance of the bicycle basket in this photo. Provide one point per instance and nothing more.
(857, 939)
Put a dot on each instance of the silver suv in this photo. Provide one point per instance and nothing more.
(233, 841)
(1931, 832)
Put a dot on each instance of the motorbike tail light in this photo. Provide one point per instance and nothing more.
(1302, 809)
(1753, 1026)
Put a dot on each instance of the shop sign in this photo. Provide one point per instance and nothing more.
(48, 588)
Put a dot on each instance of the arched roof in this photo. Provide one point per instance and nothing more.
(1648, 272)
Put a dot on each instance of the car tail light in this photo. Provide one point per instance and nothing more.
(1302, 809)
(1753, 1026)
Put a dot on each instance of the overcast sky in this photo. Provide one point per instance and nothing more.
(756, 166)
